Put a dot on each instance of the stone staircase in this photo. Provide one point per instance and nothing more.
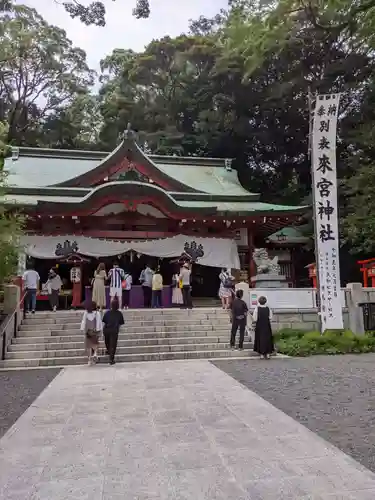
(54, 339)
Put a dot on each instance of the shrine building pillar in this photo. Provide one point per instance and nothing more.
(250, 243)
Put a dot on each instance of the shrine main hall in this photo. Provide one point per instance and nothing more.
(130, 206)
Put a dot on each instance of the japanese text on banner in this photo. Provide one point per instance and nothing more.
(326, 209)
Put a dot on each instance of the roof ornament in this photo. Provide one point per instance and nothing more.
(228, 164)
(128, 132)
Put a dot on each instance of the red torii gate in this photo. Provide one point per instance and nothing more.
(368, 271)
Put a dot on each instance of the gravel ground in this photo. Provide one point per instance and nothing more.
(333, 396)
(18, 390)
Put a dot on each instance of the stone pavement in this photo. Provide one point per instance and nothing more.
(172, 430)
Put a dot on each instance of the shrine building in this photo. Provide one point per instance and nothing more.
(87, 206)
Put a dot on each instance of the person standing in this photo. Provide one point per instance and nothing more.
(127, 286)
(112, 321)
(263, 338)
(177, 299)
(116, 276)
(54, 285)
(98, 286)
(226, 288)
(185, 283)
(157, 289)
(239, 319)
(92, 326)
(31, 280)
(146, 282)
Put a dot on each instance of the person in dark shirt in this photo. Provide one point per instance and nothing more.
(263, 338)
(239, 319)
(112, 320)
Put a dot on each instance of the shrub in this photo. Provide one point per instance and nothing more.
(299, 343)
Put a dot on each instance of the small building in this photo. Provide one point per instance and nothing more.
(136, 207)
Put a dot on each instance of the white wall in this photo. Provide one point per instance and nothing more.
(285, 298)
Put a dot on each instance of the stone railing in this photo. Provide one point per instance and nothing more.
(15, 313)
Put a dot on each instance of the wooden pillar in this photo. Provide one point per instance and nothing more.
(250, 243)
(292, 267)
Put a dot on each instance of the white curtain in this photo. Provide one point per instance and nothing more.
(217, 252)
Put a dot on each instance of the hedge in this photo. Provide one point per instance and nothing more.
(302, 343)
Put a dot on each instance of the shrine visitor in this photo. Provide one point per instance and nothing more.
(146, 282)
(54, 285)
(185, 283)
(112, 321)
(157, 289)
(92, 326)
(263, 338)
(238, 319)
(127, 286)
(31, 280)
(116, 276)
(98, 286)
(177, 299)
(226, 288)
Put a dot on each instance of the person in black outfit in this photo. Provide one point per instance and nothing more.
(239, 319)
(112, 320)
(263, 338)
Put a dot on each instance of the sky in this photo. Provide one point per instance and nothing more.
(168, 17)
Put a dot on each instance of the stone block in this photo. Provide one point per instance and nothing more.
(12, 297)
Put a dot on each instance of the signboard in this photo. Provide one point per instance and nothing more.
(326, 209)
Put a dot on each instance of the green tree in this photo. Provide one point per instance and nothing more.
(185, 96)
(40, 71)
(76, 126)
(258, 29)
(95, 12)
(10, 221)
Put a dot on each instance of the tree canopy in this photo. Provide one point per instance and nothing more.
(95, 12)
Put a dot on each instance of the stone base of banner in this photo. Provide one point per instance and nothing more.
(355, 295)
(269, 281)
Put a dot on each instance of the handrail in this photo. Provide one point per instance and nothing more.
(13, 316)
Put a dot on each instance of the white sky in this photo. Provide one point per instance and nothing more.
(168, 17)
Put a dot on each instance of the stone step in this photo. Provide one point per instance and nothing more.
(74, 337)
(159, 356)
(153, 349)
(188, 326)
(130, 314)
(123, 342)
(141, 322)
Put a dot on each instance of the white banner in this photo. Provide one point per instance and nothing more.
(214, 252)
(326, 209)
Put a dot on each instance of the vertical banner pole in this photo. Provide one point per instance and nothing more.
(324, 176)
(311, 104)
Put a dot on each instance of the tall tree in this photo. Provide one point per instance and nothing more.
(76, 126)
(258, 29)
(40, 70)
(95, 12)
(10, 222)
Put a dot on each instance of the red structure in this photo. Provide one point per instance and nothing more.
(128, 196)
(312, 273)
(368, 271)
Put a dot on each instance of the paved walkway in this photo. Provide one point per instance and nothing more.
(171, 430)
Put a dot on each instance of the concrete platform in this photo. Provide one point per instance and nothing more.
(172, 430)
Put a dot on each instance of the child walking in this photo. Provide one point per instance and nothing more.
(112, 321)
(92, 326)
(263, 338)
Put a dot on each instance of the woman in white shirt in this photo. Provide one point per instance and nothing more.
(92, 326)
(226, 288)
